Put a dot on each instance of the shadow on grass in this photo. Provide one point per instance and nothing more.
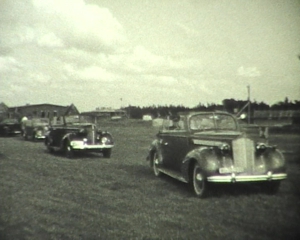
(77, 156)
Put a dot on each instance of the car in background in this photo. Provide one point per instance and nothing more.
(35, 129)
(201, 148)
(71, 135)
(10, 126)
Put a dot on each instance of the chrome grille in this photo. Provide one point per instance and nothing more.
(243, 154)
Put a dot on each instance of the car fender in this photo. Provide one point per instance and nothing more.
(66, 137)
(205, 156)
(154, 147)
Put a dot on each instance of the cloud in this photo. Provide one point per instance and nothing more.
(90, 73)
(188, 31)
(8, 64)
(81, 25)
(248, 72)
(50, 40)
(58, 23)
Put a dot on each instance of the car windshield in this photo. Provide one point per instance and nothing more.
(213, 121)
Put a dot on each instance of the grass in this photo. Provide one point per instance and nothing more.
(45, 196)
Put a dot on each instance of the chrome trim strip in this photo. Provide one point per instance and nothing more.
(249, 178)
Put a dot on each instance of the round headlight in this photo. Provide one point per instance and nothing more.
(104, 140)
(225, 148)
(261, 146)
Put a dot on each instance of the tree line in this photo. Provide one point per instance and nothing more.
(229, 105)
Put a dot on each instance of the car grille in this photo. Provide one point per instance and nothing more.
(243, 154)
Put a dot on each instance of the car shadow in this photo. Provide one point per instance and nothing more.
(77, 155)
(215, 190)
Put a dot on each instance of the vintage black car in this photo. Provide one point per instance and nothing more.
(10, 126)
(204, 148)
(72, 137)
(35, 129)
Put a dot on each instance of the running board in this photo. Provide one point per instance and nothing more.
(173, 174)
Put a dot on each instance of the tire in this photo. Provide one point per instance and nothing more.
(33, 136)
(270, 188)
(69, 153)
(49, 148)
(198, 182)
(107, 153)
(6, 131)
(25, 135)
(155, 162)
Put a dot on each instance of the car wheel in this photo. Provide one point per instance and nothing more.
(155, 162)
(25, 135)
(6, 132)
(33, 136)
(49, 148)
(199, 183)
(271, 187)
(107, 153)
(69, 153)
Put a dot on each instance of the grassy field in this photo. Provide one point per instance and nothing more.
(45, 196)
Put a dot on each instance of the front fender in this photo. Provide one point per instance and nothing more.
(206, 157)
(66, 137)
(154, 147)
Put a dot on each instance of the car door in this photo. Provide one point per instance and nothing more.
(174, 147)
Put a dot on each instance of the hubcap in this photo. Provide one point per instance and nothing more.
(199, 177)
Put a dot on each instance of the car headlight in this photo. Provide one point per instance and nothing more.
(261, 146)
(104, 140)
(225, 148)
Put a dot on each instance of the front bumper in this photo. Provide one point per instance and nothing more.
(233, 177)
(40, 136)
(78, 145)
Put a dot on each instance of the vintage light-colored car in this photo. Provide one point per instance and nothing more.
(35, 128)
(10, 126)
(72, 137)
(201, 148)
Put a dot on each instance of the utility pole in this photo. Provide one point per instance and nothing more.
(249, 112)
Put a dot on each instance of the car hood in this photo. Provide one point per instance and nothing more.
(217, 135)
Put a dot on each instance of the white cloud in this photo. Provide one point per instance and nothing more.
(90, 73)
(248, 72)
(9, 64)
(188, 31)
(50, 40)
(80, 25)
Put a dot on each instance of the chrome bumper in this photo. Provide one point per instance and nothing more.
(233, 177)
(81, 146)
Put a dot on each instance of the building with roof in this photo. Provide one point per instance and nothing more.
(101, 114)
(41, 110)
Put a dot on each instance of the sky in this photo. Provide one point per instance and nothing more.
(103, 53)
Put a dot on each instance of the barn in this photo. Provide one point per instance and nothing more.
(41, 110)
